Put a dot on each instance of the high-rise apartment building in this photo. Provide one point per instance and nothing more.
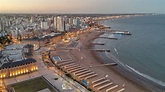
(55, 22)
(60, 24)
(44, 25)
(76, 22)
(71, 21)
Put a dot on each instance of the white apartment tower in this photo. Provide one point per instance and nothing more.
(76, 22)
(55, 22)
(44, 25)
(60, 24)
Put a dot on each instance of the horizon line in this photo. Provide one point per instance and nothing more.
(77, 13)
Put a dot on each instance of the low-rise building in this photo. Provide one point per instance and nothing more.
(17, 51)
(19, 67)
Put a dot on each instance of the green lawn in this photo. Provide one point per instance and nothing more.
(32, 86)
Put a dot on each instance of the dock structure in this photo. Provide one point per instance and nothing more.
(104, 86)
(102, 50)
(100, 83)
(121, 32)
(114, 38)
(98, 44)
(117, 32)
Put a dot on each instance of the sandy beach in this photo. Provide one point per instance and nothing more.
(87, 57)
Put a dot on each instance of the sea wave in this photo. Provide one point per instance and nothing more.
(146, 76)
(134, 70)
(109, 55)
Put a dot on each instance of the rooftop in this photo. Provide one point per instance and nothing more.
(17, 63)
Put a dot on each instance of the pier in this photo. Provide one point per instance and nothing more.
(121, 32)
(98, 44)
(102, 50)
(109, 38)
(117, 32)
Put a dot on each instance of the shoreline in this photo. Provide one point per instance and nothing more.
(138, 80)
(96, 55)
(134, 77)
(92, 58)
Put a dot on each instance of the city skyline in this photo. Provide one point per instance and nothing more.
(82, 6)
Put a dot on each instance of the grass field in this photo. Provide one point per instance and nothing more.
(32, 86)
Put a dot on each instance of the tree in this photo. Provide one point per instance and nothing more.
(4, 40)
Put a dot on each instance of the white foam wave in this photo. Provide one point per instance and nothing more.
(147, 76)
(113, 58)
(134, 70)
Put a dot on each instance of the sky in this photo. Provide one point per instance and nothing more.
(82, 6)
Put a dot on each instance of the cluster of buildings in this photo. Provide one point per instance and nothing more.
(28, 26)
(16, 60)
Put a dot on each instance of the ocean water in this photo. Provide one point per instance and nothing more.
(144, 51)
